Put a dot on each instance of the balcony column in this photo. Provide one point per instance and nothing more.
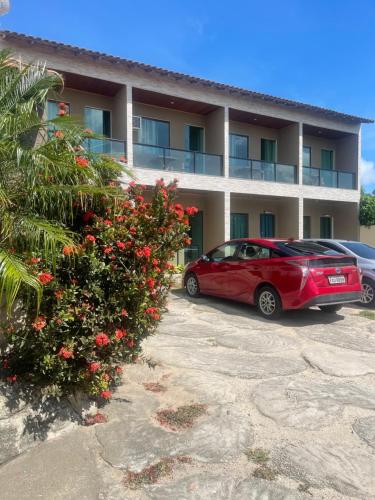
(300, 153)
(226, 215)
(226, 142)
(300, 217)
(358, 166)
(129, 123)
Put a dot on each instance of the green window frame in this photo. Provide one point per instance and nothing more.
(268, 150)
(306, 156)
(239, 226)
(327, 159)
(267, 225)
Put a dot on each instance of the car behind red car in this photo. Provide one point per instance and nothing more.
(276, 275)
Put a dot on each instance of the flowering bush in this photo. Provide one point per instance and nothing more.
(103, 296)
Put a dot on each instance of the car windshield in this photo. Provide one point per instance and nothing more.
(360, 249)
(306, 248)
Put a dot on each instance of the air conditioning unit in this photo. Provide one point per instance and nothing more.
(137, 120)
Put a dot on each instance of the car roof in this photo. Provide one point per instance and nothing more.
(259, 241)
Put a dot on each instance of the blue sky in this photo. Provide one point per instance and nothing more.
(317, 51)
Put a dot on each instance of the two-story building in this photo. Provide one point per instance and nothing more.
(255, 165)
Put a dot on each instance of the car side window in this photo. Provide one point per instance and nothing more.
(223, 252)
(249, 251)
(330, 245)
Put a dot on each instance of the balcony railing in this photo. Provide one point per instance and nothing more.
(177, 160)
(111, 147)
(262, 170)
(329, 178)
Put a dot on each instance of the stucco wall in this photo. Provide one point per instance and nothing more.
(367, 235)
(345, 217)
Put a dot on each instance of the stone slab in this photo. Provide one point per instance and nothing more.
(365, 429)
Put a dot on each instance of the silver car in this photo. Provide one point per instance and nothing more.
(366, 262)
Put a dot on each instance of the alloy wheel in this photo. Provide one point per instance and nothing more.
(192, 285)
(267, 303)
(367, 293)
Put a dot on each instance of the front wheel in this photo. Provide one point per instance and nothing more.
(330, 309)
(192, 286)
(269, 303)
(368, 293)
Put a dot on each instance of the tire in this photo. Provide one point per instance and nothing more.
(368, 293)
(269, 303)
(192, 285)
(331, 309)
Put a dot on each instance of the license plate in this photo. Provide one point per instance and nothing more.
(335, 280)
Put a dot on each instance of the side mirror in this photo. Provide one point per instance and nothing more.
(205, 258)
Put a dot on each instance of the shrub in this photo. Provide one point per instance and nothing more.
(105, 295)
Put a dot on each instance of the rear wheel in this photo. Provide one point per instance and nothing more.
(368, 293)
(269, 303)
(192, 285)
(330, 309)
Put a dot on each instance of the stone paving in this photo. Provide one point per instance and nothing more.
(298, 393)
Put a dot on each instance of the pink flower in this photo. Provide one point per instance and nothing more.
(45, 278)
(65, 353)
(91, 238)
(102, 339)
(94, 367)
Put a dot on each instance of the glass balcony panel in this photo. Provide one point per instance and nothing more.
(238, 167)
(311, 176)
(110, 147)
(263, 171)
(285, 173)
(346, 180)
(179, 161)
(328, 178)
(208, 164)
(148, 156)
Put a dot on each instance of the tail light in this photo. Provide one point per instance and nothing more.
(304, 265)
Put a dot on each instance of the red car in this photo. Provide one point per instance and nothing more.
(276, 275)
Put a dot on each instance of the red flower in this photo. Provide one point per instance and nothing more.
(61, 112)
(94, 367)
(12, 378)
(121, 245)
(81, 161)
(155, 262)
(139, 252)
(123, 159)
(107, 222)
(130, 343)
(124, 312)
(179, 211)
(106, 394)
(59, 134)
(192, 210)
(151, 283)
(86, 217)
(108, 250)
(120, 333)
(59, 294)
(147, 252)
(102, 339)
(45, 278)
(187, 241)
(140, 198)
(64, 353)
(91, 238)
(118, 370)
(88, 131)
(68, 250)
(133, 230)
(106, 377)
(35, 260)
(39, 323)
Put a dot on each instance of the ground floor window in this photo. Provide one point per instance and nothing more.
(267, 225)
(326, 226)
(196, 234)
(239, 226)
(306, 226)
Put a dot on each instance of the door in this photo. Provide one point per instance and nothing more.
(327, 159)
(326, 227)
(195, 250)
(99, 121)
(268, 150)
(267, 225)
(239, 226)
(306, 226)
(213, 274)
(194, 138)
(252, 268)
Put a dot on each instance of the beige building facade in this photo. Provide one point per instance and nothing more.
(255, 165)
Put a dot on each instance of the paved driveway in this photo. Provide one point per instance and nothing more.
(265, 411)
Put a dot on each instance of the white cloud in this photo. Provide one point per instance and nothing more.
(367, 172)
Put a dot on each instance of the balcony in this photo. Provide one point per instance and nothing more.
(111, 147)
(177, 160)
(329, 178)
(262, 171)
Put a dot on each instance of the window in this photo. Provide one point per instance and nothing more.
(239, 226)
(360, 249)
(267, 225)
(154, 132)
(326, 226)
(194, 138)
(239, 146)
(98, 120)
(223, 252)
(306, 248)
(306, 156)
(249, 251)
(53, 109)
(268, 150)
(327, 159)
(306, 226)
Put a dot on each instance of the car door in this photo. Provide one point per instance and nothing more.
(213, 272)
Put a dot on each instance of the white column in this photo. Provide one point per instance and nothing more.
(226, 141)
(226, 215)
(129, 124)
(300, 217)
(300, 153)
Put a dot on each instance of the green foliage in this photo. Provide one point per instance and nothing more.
(367, 209)
(41, 175)
(106, 294)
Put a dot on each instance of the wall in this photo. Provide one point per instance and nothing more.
(345, 218)
(215, 132)
(255, 134)
(367, 235)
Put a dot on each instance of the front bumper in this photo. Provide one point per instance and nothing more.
(334, 298)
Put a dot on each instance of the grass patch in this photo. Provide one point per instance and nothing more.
(151, 475)
(154, 387)
(257, 455)
(265, 472)
(181, 418)
(367, 314)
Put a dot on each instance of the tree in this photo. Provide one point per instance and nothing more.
(367, 209)
(44, 173)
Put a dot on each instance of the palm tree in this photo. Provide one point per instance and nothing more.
(43, 171)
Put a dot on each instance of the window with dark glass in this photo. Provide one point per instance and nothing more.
(306, 156)
(98, 120)
(239, 146)
(154, 132)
